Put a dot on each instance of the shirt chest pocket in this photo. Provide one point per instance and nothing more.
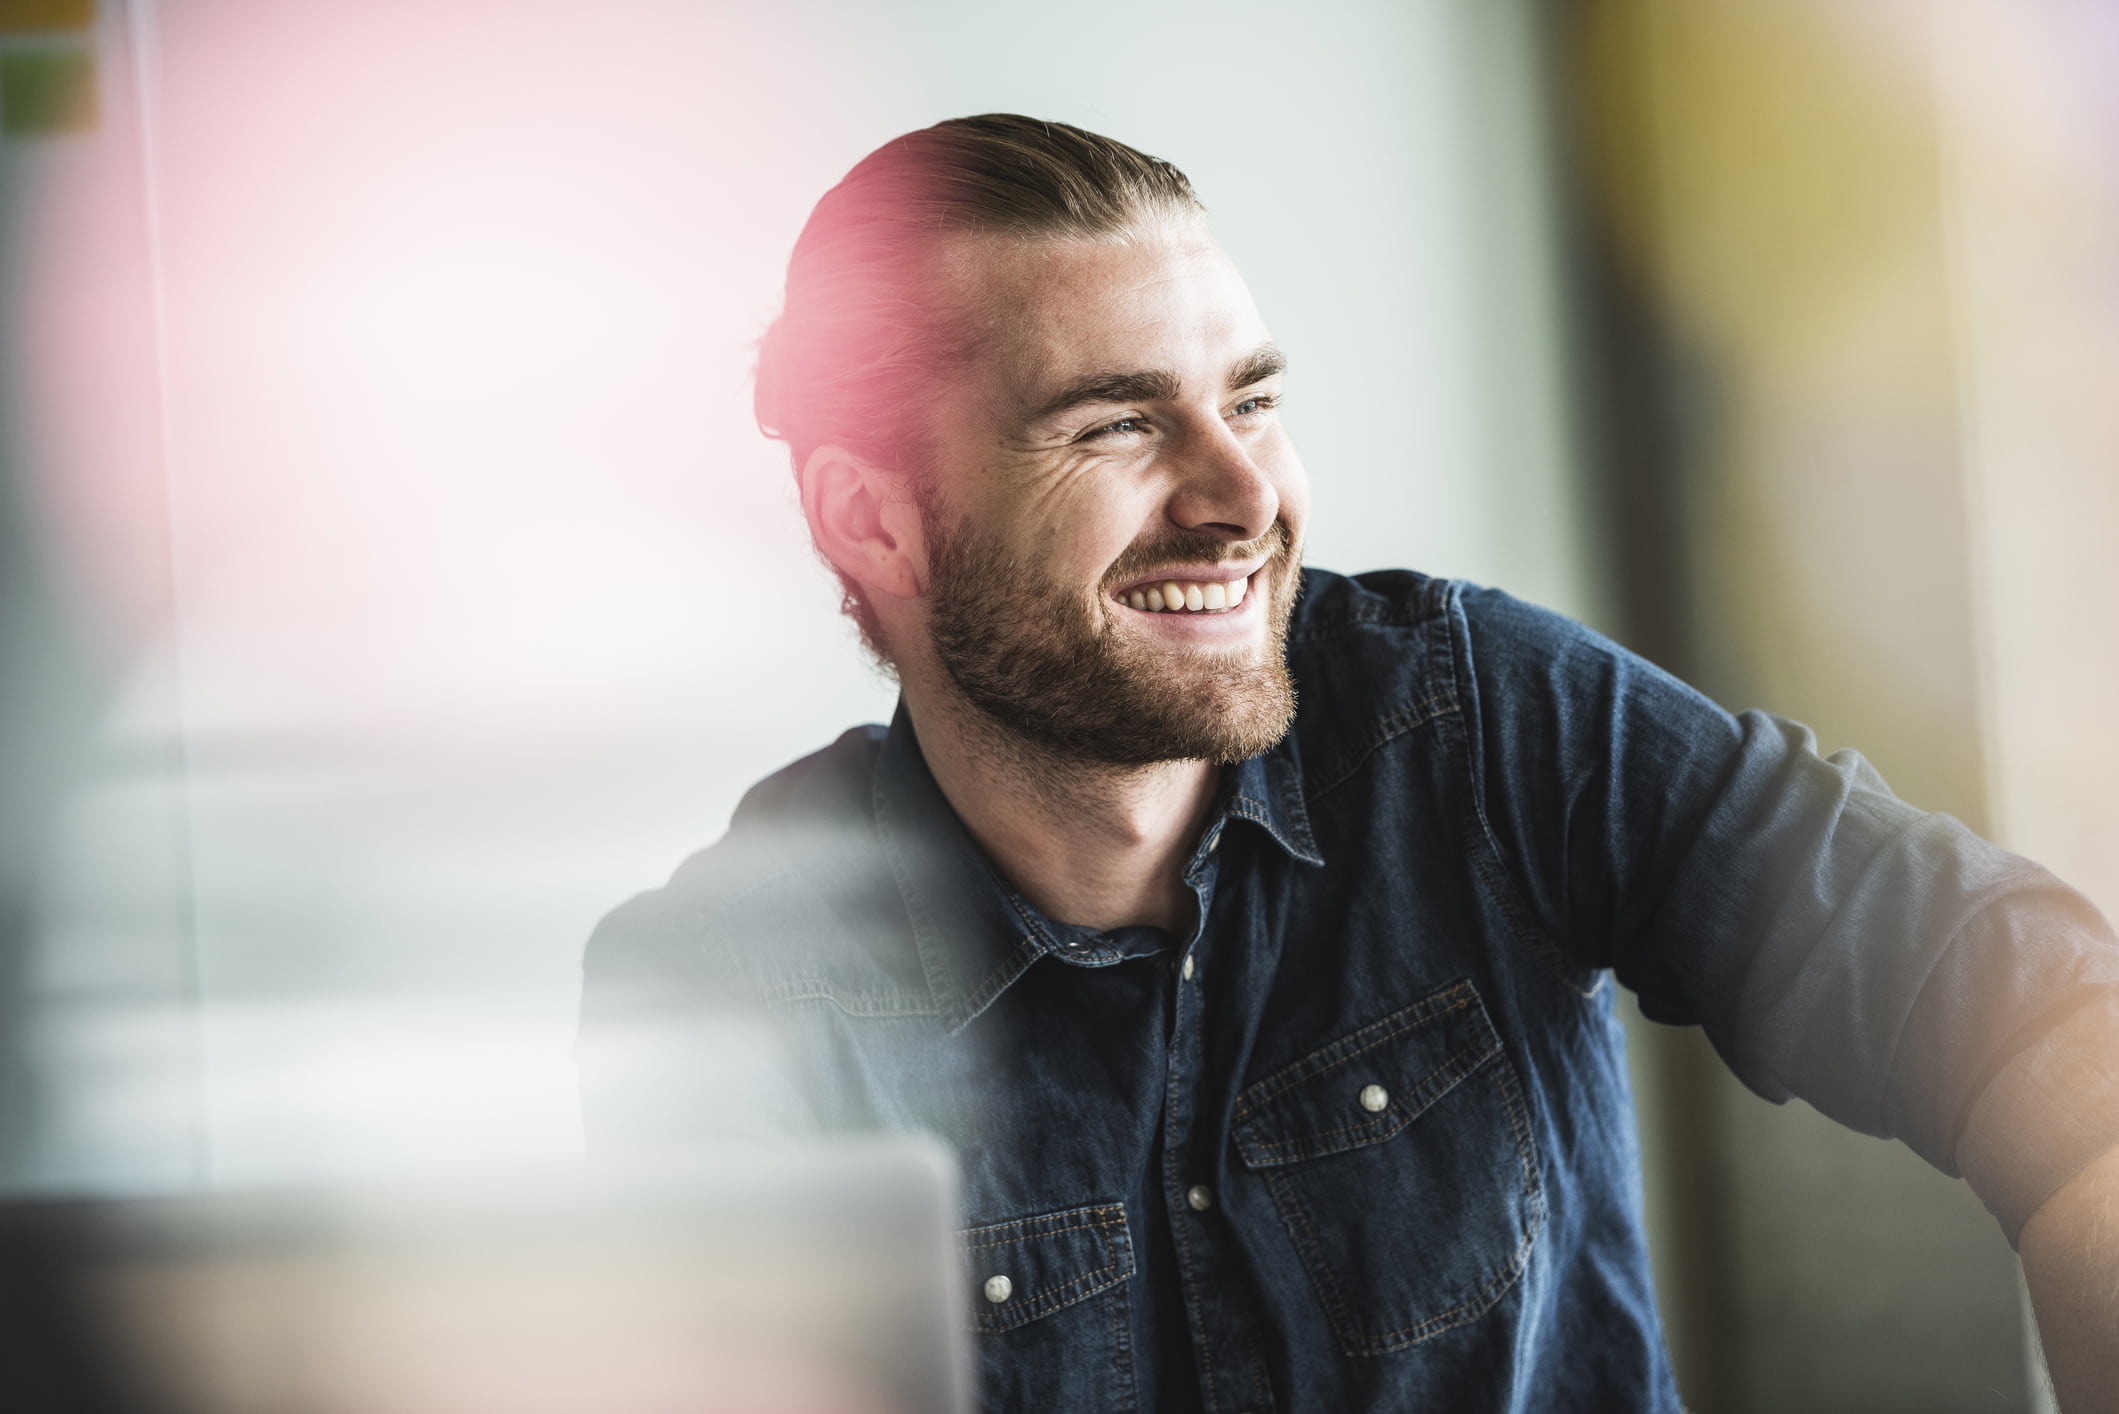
(1401, 1159)
(1048, 1304)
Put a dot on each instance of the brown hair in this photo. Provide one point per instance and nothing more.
(858, 340)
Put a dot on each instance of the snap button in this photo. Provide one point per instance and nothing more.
(1200, 1197)
(999, 1289)
(1187, 969)
(1214, 840)
(1375, 1099)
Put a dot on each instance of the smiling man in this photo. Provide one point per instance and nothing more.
(1277, 1044)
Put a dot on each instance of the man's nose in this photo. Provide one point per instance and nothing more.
(1222, 487)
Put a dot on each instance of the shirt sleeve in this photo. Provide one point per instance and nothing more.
(1884, 963)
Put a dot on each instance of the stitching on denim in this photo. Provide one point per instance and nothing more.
(707, 920)
(1025, 914)
(1052, 1298)
(1453, 1071)
(1119, 1309)
(939, 982)
(863, 1004)
(1044, 1304)
(1254, 1359)
(1243, 808)
(1323, 1273)
(1323, 1277)
(1299, 814)
(1479, 1301)
(1506, 894)
(1181, 1232)
(1534, 1223)
(1117, 1245)
(1457, 996)
(1338, 1052)
(1395, 613)
(1103, 1226)
(1406, 719)
(1027, 951)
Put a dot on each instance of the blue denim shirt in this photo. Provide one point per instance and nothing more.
(1361, 1139)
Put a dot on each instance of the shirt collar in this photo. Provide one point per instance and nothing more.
(975, 933)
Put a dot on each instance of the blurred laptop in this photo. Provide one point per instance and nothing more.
(813, 1279)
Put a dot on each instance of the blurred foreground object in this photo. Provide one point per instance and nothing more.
(790, 1279)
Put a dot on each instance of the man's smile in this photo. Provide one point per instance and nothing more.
(1193, 596)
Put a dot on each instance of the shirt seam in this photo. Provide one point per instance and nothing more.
(1506, 892)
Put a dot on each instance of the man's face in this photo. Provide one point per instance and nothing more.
(1107, 470)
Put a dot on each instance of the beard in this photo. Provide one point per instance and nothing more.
(1056, 673)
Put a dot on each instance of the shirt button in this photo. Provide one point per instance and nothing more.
(999, 1289)
(1375, 1099)
(1187, 970)
(1214, 840)
(1200, 1197)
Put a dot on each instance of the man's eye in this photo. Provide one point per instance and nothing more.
(1123, 427)
(1251, 407)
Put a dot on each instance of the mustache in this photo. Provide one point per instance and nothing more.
(1197, 547)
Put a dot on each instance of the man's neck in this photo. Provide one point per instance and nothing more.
(1094, 845)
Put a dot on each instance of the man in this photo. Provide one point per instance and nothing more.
(1277, 1044)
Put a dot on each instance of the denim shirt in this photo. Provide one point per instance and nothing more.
(1360, 1139)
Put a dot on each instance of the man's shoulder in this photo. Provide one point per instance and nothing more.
(1384, 630)
(1333, 605)
(800, 856)
(1385, 655)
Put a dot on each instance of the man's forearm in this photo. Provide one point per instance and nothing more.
(2070, 1251)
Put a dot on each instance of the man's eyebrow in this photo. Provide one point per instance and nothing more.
(1155, 384)
(1265, 361)
(1146, 386)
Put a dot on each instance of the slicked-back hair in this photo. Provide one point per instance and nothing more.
(861, 344)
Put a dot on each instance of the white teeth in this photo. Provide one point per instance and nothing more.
(1199, 597)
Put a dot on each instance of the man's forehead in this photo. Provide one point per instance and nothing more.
(1045, 314)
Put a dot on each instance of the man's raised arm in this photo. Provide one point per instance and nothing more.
(2070, 1253)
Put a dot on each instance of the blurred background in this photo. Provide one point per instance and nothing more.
(392, 580)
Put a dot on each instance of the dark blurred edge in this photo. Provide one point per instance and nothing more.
(1644, 405)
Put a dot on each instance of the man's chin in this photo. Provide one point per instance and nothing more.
(1222, 712)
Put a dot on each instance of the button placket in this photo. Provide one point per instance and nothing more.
(1214, 1310)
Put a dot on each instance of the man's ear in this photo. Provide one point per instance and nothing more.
(866, 521)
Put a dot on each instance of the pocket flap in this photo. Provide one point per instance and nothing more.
(1369, 1084)
(1043, 1264)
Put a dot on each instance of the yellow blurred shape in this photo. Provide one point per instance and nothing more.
(45, 16)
